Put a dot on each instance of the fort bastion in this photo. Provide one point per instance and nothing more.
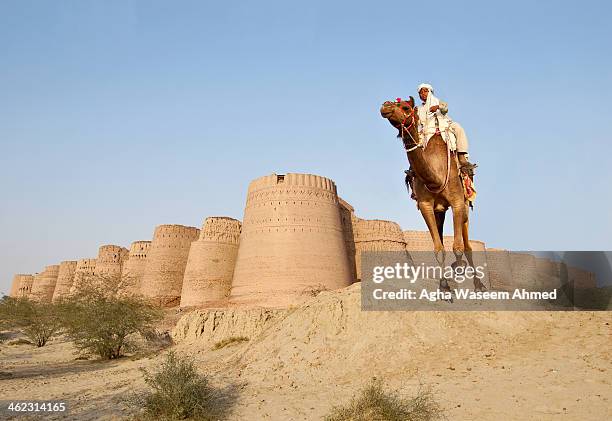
(210, 266)
(65, 279)
(44, 284)
(133, 268)
(162, 279)
(292, 240)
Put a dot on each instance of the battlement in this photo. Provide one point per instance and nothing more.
(139, 250)
(177, 236)
(221, 229)
(86, 266)
(365, 230)
(111, 253)
(292, 179)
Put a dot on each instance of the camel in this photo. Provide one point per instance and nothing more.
(437, 184)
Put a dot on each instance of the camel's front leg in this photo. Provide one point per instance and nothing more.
(427, 210)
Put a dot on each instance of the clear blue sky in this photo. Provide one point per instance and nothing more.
(116, 116)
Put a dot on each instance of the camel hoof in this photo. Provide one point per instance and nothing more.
(479, 286)
(444, 287)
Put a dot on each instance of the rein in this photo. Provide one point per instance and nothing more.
(404, 129)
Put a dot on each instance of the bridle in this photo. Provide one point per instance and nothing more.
(404, 129)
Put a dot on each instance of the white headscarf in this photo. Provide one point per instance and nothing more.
(426, 86)
(426, 116)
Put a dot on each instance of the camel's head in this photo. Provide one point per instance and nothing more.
(399, 112)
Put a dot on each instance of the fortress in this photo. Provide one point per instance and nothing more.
(297, 236)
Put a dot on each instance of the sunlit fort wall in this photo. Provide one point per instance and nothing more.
(376, 235)
(292, 241)
(211, 262)
(85, 269)
(65, 278)
(166, 261)
(44, 284)
(110, 260)
(25, 285)
(133, 268)
(347, 216)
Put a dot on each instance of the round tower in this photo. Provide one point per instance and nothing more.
(499, 268)
(524, 272)
(376, 235)
(110, 259)
(166, 260)
(133, 268)
(291, 241)
(25, 285)
(65, 278)
(210, 266)
(85, 269)
(44, 284)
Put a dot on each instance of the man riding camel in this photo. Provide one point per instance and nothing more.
(433, 118)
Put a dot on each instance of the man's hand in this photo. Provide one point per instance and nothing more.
(434, 108)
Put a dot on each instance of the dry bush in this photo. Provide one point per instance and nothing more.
(314, 290)
(373, 403)
(39, 322)
(180, 392)
(98, 321)
(229, 341)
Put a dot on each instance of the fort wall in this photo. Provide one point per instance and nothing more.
(85, 269)
(499, 269)
(162, 279)
(524, 272)
(110, 260)
(25, 285)
(376, 235)
(347, 216)
(210, 265)
(292, 241)
(133, 268)
(65, 279)
(44, 284)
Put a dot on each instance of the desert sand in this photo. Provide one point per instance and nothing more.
(301, 361)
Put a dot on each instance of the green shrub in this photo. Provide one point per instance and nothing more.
(375, 404)
(39, 322)
(98, 321)
(180, 392)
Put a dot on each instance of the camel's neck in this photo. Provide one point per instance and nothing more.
(419, 164)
